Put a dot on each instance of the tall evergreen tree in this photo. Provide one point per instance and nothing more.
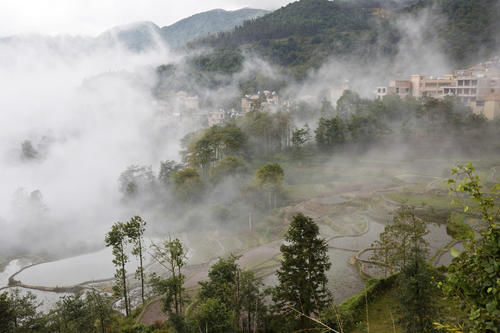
(416, 290)
(416, 287)
(302, 275)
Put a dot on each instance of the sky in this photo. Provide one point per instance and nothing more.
(91, 17)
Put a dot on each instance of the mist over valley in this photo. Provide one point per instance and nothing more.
(142, 166)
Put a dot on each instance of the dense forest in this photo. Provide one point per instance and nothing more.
(302, 35)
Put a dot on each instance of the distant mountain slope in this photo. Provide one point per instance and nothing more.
(303, 34)
(206, 23)
(466, 29)
(140, 36)
(135, 36)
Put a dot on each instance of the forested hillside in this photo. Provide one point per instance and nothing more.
(303, 34)
(203, 24)
(466, 29)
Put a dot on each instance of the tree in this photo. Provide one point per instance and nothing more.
(348, 104)
(228, 166)
(416, 292)
(300, 137)
(394, 246)
(474, 275)
(173, 256)
(270, 179)
(24, 310)
(28, 152)
(73, 314)
(212, 317)
(251, 301)
(221, 292)
(330, 133)
(167, 169)
(134, 230)
(188, 185)
(135, 180)
(117, 238)
(416, 287)
(6, 313)
(101, 308)
(212, 145)
(302, 276)
(236, 292)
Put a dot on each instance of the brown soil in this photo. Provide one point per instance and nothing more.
(153, 314)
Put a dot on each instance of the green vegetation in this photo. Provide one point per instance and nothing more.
(203, 24)
(134, 231)
(464, 28)
(458, 228)
(120, 235)
(116, 238)
(473, 281)
(302, 35)
(232, 299)
(302, 287)
(270, 178)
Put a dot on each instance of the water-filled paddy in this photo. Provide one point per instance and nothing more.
(11, 268)
(73, 271)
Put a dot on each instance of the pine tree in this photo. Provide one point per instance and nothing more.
(302, 275)
(416, 290)
(416, 286)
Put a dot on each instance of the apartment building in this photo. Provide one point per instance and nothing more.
(489, 106)
(475, 86)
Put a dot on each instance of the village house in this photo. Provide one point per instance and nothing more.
(262, 101)
(475, 86)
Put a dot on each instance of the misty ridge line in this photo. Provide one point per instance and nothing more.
(142, 35)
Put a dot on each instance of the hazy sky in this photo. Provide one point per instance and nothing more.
(90, 17)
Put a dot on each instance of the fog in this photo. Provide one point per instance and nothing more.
(87, 116)
(90, 17)
(74, 117)
(415, 55)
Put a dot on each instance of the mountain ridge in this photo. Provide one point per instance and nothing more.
(141, 35)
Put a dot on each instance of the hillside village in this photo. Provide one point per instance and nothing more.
(187, 108)
(477, 87)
